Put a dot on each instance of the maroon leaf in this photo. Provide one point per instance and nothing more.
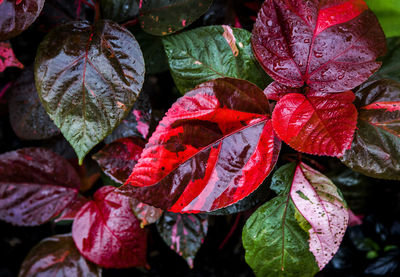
(316, 123)
(57, 256)
(70, 212)
(275, 91)
(7, 57)
(213, 148)
(16, 16)
(35, 186)
(107, 232)
(118, 158)
(330, 45)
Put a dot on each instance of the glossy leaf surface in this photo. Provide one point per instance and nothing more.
(16, 16)
(331, 45)
(106, 231)
(88, 78)
(118, 158)
(206, 152)
(7, 57)
(299, 231)
(275, 91)
(28, 118)
(375, 149)
(72, 209)
(390, 63)
(35, 186)
(388, 13)
(316, 123)
(119, 10)
(212, 52)
(162, 17)
(183, 233)
(57, 256)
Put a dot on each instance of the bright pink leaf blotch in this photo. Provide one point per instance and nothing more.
(316, 123)
(330, 45)
(7, 57)
(106, 231)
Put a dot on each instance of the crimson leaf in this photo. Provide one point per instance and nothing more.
(57, 256)
(7, 57)
(375, 149)
(329, 45)
(183, 233)
(35, 186)
(16, 16)
(70, 212)
(316, 123)
(213, 148)
(106, 231)
(88, 78)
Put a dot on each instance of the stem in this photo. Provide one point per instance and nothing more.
(130, 23)
(229, 235)
(97, 14)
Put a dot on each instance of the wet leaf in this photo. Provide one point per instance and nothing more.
(183, 233)
(35, 186)
(88, 78)
(71, 210)
(106, 231)
(276, 91)
(119, 10)
(212, 52)
(388, 13)
(206, 152)
(57, 256)
(146, 213)
(28, 118)
(118, 158)
(390, 63)
(299, 231)
(331, 46)
(162, 17)
(16, 16)
(375, 149)
(316, 122)
(7, 57)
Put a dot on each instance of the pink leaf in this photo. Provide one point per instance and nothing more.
(7, 57)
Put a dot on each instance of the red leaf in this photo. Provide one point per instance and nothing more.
(70, 212)
(275, 91)
(35, 186)
(316, 123)
(213, 148)
(7, 57)
(329, 45)
(107, 232)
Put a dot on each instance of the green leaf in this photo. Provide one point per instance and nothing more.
(212, 52)
(119, 10)
(375, 148)
(88, 78)
(162, 17)
(390, 68)
(299, 231)
(388, 13)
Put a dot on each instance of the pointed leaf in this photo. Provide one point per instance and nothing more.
(212, 52)
(35, 186)
(316, 123)
(57, 256)
(162, 17)
(183, 233)
(390, 63)
(388, 13)
(300, 230)
(16, 16)
(118, 158)
(375, 149)
(328, 45)
(206, 152)
(7, 57)
(28, 118)
(106, 231)
(88, 78)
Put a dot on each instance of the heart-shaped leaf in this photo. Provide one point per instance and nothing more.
(375, 149)
(35, 186)
(299, 231)
(57, 256)
(183, 233)
(88, 78)
(388, 13)
(106, 231)
(316, 123)
(162, 17)
(7, 57)
(212, 52)
(16, 16)
(28, 118)
(328, 45)
(213, 148)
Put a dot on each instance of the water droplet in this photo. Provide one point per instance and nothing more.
(269, 23)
